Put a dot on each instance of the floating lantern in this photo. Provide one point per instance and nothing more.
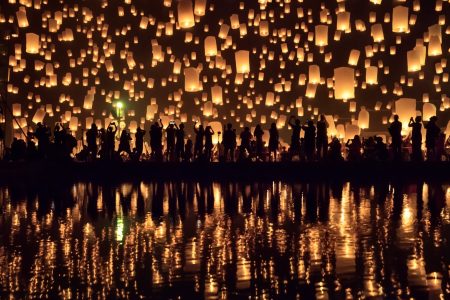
(185, 14)
(191, 80)
(242, 58)
(405, 108)
(429, 110)
(400, 19)
(321, 35)
(344, 83)
(363, 118)
(210, 46)
(32, 43)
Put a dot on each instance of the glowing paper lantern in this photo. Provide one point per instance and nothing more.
(434, 46)
(208, 109)
(429, 110)
(22, 20)
(38, 116)
(210, 46)
(200, 7)
(372, 75)
(344, 83)
(32, 43)
(191, 80)
(400, 19)
(216, 95)
(242, 58)
(354, 57)
(343, 21)
(363, 118)
(314, 74)
(270, 98)
(413, 58)
(17, 109)
(405, 108)
(321, 35)
(185, 14)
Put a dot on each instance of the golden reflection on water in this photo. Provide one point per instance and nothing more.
(222, 240)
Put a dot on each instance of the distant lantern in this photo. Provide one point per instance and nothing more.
(32, 43)
(343, 21)
(405, 108)
(216, 95)
(344, 83)
(264, 28)
(208, 109)
(191, 80)
(413, 58)
(270, 99)
(377, 33)
(185, 14)
(429, 110)
(400, 19)
(242, 58)
(321, 35)
(434, 46)
(210, 46)
(17, 109)
(363, 118)
(354, 57)
(372, 75)
(22, 20)
(314, 74)
(200, 7)
(73, 124)
(38, 116)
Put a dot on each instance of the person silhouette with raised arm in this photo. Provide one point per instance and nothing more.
(170, 140)
(139, 136)
(432, 135)
(310, 139)
(91, 140)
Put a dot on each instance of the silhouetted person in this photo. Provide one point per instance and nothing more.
(381, 152)
(91, 140)
(69, 143)
(431, 138)
(335, 153)
(310, 139)
(18, 149)
(354, 148)
(229, 142)
(124, 142)
(295, 137)
(246, 137)
(440, 146)
(188, 150)
(416, 138)
(156, 135)
(179, 145)
(102, 135)
(170, 140)
(322, 137)
(258, 133)
(139, 136)
(110, 140)
(199, 135)
(395, 130)
(42, 134)
(369, 149)
(273, 141)
(32, 153)
(209, 132)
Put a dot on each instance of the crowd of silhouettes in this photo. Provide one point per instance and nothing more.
(114, 143)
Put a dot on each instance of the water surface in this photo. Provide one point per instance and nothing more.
(219, 240)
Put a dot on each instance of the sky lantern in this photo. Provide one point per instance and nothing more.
(200, 7)
(216, 95)
(434, 46)
(363, 118)
(185, 14)
(372, 75)
(405, 108)
(208, 109)
(314, 74)
(377, 33)
(354, 57)
(400, 19)
(351, 130)
(22, 20)
(270, 99)
(32, 43)
(343, 21)
(39, 116)
(242, 58)
(191, 80)
(413, 58)
(321, 35)
(344, 83)
(210, 46)
(428, 111)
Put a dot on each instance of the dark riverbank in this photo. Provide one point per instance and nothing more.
(368, 171)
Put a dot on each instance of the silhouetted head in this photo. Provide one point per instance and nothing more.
(246, 129)
(156, 124)
(181, 126)
(297, 122)
(322, 117)
(200, 127)
(258, 126)
(208, 128)
(229, 126)
(93, 126)
(356, 138)
(433, 119)
(273, 126)
(395, 117)
(310, 123)
(418, 119)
